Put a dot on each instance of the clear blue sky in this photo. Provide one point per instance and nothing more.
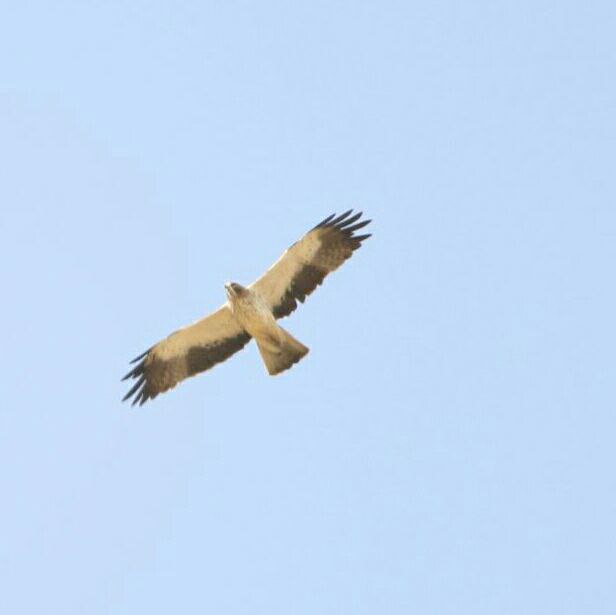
(448, 446)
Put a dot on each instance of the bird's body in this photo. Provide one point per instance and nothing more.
(279, 349)
(251, 312)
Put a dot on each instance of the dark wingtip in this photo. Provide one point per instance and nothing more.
(140, 356)
(345, 223)
(340, 218)
(140, 396)
(130, 374)
(136, 386)
(356, 227)
(324, 222)
(136, 371)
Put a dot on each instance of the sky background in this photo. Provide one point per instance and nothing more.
(448, 445)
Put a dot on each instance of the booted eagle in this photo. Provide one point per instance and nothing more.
(251, 312)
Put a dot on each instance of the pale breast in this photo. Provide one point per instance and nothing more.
(253, 313)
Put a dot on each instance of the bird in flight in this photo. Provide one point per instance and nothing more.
(250, 312)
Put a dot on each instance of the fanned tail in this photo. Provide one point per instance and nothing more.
(279, 357)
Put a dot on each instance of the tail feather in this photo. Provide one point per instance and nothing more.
(279, 357)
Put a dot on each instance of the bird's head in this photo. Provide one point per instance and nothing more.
(234, 290)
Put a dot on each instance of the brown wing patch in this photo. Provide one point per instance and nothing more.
(337, 244)
(155, 375)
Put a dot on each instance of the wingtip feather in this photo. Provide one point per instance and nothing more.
(345, 223)
(356, 227)
(143, 354)
(324, 222)
(340, 218)
(134, 388)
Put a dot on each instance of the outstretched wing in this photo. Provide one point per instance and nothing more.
(307, 262)
(187, 352)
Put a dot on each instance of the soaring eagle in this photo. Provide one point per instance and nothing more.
(251, 312)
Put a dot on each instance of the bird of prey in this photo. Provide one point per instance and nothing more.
(251, 312)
